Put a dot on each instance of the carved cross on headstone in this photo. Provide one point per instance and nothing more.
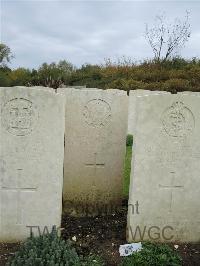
(172, 187)
(95, 165)
(19, 189)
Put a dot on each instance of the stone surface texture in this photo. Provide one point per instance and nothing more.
(165, 182)
(95, 137)
(133, 96)
(31, 161)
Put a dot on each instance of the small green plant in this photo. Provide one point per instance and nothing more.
(51, 250)
(129, 140)
(153, 255)
(46, 250)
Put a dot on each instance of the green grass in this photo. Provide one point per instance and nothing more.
(127, 170)
(153, 255)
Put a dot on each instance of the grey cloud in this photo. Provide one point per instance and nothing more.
(85, 31)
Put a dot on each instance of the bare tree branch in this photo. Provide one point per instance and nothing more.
(167, 39)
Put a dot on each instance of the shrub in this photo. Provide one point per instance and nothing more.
(153, 255)
(153, 86)
(51, 250)
(46, 250)
(129, 140)
(175, 85)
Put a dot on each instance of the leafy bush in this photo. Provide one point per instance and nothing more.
(175, 85)
(46, 250)
(51, 250)
(129, 140)
(174, 75)
(153, 255)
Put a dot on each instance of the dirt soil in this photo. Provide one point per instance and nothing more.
(7, 250)
(102, 235)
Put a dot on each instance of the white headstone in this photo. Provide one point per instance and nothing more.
(95, 143)
(165, 185)
(37, 87)
(133, 96)
(31, 161)
(75, 87)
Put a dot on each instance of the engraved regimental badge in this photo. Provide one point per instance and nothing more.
(178, 120)
(97, 113)
(19, 116)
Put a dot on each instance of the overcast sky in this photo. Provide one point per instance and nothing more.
(87, 31)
